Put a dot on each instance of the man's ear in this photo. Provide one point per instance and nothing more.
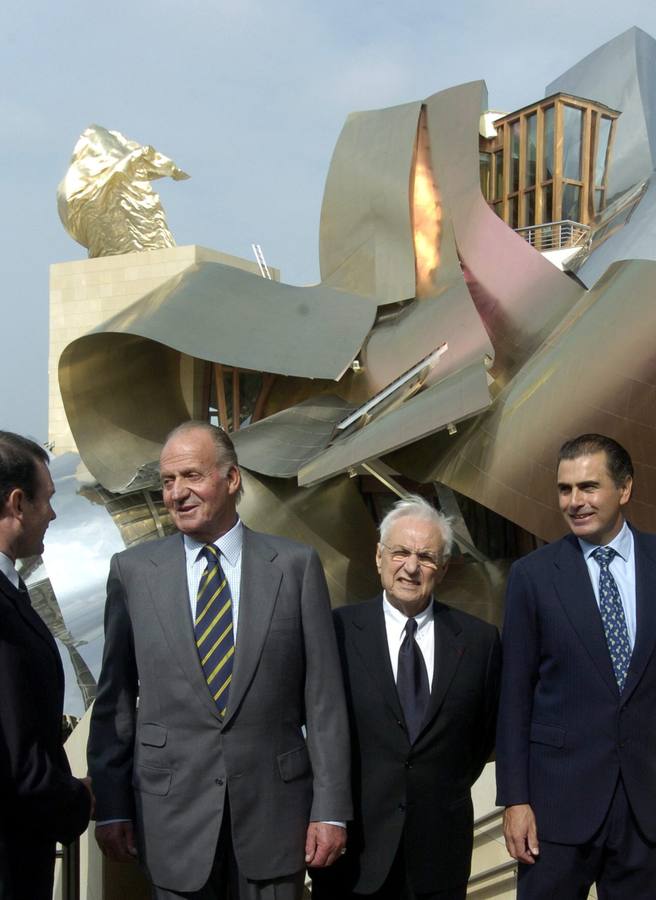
(15, 503)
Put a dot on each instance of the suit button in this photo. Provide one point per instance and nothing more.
(408, 764)
(402, 807)
(400, 723)
(219, 781)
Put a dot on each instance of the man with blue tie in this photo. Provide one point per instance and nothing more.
(576, 738)
(40, 801)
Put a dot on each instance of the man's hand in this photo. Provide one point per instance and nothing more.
(116, 841)
(521, 833)
(87, 783)
(324, 844)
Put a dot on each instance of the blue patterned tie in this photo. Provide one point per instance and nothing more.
(612, 616)
(213, 628)
(412, 681)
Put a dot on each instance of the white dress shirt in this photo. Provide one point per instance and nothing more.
(230, 546)
(622, 568)
(8, 569)
(395, 622)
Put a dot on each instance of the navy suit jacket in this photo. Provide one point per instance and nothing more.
(564, 733)
(40, 801)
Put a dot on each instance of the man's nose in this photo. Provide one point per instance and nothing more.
(411, 564)
(179, 489)
(576, 498)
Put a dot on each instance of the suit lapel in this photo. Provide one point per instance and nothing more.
(260, 583)
(369, 638)
(645, 569)
(449, 650)
(170, 598)
(574, 590)
(21, 602)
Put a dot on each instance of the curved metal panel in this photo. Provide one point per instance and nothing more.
(365, 241)
(518, 294)
(622, 74)
(596, 372)
(280, 444)
(122, 395)
(223, 314)
(446, 402)
(121, 383)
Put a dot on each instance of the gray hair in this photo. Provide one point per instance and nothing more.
(226, 455)
(415, 506)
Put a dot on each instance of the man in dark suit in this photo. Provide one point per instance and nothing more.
(224, 637)
(40, 801)
(576, 747)
(422, 686)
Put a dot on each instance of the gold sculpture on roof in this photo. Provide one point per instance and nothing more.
(105, 200)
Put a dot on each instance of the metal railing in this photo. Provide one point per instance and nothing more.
(556, 235)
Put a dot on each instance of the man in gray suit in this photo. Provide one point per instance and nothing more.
(219, 648)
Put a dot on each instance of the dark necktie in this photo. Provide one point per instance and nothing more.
(612, 616)
(412, 681)
(213, 628)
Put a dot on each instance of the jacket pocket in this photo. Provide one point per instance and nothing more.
(152, 735)
(294, 763)
(150, 780)
(552, 735)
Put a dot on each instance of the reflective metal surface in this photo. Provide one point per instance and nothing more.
(121, 412)
(105, 200)
(532, 357)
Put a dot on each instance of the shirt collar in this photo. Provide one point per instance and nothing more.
(229, 544)
(621, 544)
(8, 569)
(399, 619)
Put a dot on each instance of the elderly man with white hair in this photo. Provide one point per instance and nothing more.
(422, 688)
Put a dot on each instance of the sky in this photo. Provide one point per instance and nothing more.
(248, 97)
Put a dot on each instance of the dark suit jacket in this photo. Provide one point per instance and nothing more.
(40, 801)
(169, 764)
(418, 793)
(564, 732)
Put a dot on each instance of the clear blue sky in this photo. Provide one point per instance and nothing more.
(248, 98)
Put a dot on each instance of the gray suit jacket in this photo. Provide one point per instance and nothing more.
(167, 760)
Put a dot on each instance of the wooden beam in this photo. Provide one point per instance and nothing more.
(220, 396)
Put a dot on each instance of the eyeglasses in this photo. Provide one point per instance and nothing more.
(425, 559)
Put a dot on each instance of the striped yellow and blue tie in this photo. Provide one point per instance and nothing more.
(213, 628)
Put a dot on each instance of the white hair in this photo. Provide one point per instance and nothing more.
(415, 506)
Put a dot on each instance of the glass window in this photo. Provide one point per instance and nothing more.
(530, 150)
(572, 137)
(514, 156)
(547, 202)
(598, 200)
(548, 149)
(603, 124)
(513, 216)
(498, 208)
(571, 202)
(484, 165)
(498, 170)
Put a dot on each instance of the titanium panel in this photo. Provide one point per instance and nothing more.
(365, 239)
(464, 394)
(622, 74)
(596, 372)
(280, 444)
